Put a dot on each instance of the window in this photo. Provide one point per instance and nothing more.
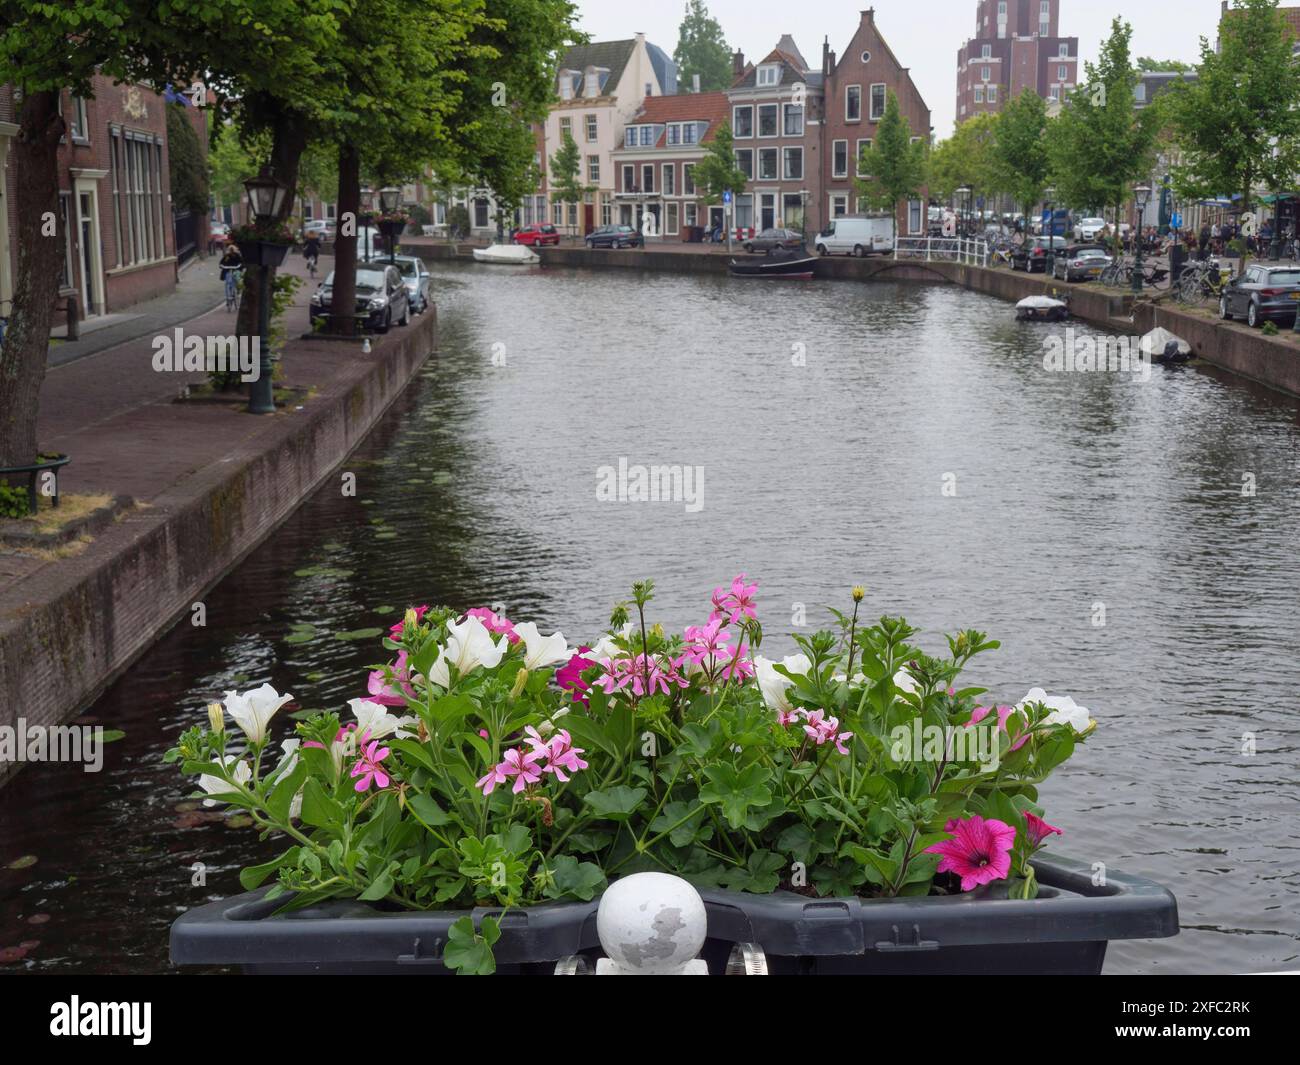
(331, 211)
(742, 122)
(573, 214)
(648, 178)
(767, 164)
(839, 205)
(629, 178)
(591, 127)
(1062, 73)
(136, 160)
(839, 159)
(866, 57)
(979, 94)
(481, 212)
(670, 179)
(744, 211)
(690, 213)
(566, 127)
(984, 73)
(1064, 51)
(688, 181)
(670, 219)
(745, 161)
(794, 120)
(674, 134)
(593, 168)
(793, 163)
(853, 103)
(914, 216)
(991, 94)
(557, 214)
(769, 74)
(986, 51)
(78, 129)
(690, 133)
(863, 145)
(767, 120)
(1140, 92)
(877, 102)
(647, 136)
(606, 211)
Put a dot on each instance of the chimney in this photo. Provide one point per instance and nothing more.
(695, 83)
(738, 63)
(869, 15)
(826, 57)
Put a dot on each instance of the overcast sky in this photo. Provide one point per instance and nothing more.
(924, 34)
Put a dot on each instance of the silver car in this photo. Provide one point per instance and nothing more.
(416, 278)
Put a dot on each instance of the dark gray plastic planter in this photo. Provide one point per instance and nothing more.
(1064, 930)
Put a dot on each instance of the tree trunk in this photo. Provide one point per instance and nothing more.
(41, 239)
(344, 301)
(288, 142)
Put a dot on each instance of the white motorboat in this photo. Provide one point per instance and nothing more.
(507, 254)
(1042, 309)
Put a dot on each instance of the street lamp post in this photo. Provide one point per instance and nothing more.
(803, 217)
(1141, 195)
(963, 195)
(367, 207)
(388, 197)
(1049, 195)
(266, 197)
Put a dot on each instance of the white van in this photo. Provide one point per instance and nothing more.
(856, 236)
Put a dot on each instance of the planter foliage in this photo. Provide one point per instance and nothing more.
(493, 766)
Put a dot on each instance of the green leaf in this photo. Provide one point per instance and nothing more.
(319, 809)
(581, 880)
(428, 811)
(254, 875)
(736, 790)
(615, 804)
(469, 953)
(282, 797)
(379, 887)
(693, 830)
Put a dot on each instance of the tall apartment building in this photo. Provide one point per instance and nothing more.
(1016, 46)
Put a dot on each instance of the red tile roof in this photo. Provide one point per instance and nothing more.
(710, 107)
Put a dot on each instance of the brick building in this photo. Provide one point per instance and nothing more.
(115, 211)
(1016, 46)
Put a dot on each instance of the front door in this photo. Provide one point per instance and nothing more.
(588, 218)
(88, 278)
(767, 210)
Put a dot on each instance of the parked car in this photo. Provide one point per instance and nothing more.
(1263, 293)
(381, 298)
(415, 276)
(324, 229)
(1086, 230)
(537, 235)
(1031, 256)
(614, 237)
(855, 236)
(1080, 262)
(777, 237)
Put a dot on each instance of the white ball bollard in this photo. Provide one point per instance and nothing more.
(651, 924)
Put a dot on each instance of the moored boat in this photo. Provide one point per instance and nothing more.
(507, 254)
(1042, 309)
(781, 263)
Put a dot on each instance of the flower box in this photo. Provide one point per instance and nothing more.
(853, 807)
(263, 252)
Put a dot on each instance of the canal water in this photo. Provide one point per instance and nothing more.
(901, 436)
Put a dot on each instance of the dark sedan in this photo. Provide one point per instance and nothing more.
(613, 237)
(382, 298)
(774, 238)
(1262, 294)
(1031, 256)
(1080, 262)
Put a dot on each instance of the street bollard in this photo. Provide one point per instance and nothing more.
(74, 323)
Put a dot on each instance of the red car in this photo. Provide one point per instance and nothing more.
(537, 235)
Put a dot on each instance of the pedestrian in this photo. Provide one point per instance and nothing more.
(1203, 239)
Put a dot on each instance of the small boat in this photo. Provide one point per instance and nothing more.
(1042, 309)
(507, 254)
(781, 263)
(1165, 348)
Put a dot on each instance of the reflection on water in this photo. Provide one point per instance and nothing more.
(827, 418)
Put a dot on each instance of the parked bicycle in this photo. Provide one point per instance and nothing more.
(1199, 281)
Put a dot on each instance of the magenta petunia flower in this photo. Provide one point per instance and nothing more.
(979, 852)
(569, 676)
(1037, 830)
(495, 623)
(396, 631)
(1004, 712)
(396, 692)
(367, 768)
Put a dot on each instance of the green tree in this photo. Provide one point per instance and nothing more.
(187, 169)
(1176, 66)
(1020, 149)
(965, 158)
(1238, 124)
(717, 172)
(1100, 145)
(701, 49)
(894, 164)
(566, 167)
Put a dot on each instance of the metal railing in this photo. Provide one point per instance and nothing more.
(968, 250)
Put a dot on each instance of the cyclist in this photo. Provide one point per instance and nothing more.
(230, 266)
(311, 252)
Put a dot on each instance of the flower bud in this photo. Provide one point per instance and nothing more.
(410, 621)
(521, 678)
(216, 717)
(859, 593)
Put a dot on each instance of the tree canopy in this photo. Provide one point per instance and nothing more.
(701, 49)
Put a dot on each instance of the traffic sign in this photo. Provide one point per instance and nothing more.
(726, 195)
(1176, 220)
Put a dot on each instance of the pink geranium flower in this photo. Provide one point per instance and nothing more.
(708, 641)
(736, 603)
(396, 631)
(822, 729)
(396, 692)
(979, 852)
(495, 623)
(559, 752)
(367, 768)
(1037, 830)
